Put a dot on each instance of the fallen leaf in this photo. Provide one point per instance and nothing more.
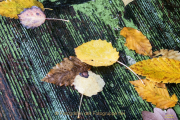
(157, 96)
(32, 17)
(97, 53)
(135, 40)
(127, 2)
(89, 86)
(65, 72)
(11, 8)
(159, 69)
(159, 115)
(171, 54)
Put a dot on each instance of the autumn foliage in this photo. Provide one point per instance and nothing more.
(158, 96)
(65, 72)
(135, 40)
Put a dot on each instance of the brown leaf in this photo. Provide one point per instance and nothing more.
(65, 72)
(159, 115)
(171, 54)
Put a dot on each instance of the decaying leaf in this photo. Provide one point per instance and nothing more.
(135, 40)
(32, 17)
(11, 8)
(159, 69)
(89, 86)
(159, 115)
(156, 95)
(127, 2)
(65, 72)
(171, 54)
(97, 53)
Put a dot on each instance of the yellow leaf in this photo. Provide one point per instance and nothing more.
(157, 96)
(97, 53)
(135, 40)
(127, 2)
(171, 54)
(11, 8)
(159, 69)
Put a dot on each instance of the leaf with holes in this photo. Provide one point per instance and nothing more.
(65, 72)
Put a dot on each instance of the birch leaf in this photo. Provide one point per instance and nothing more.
(159, 69)
(135, 40)
(11, 8)
(97, 53)
(171, 54)
(152, 93)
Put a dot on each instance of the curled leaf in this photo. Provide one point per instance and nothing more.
(159, 115)
(151, 92)
(159, 69)
(135, 40)
(32, 17)
(11, 8)
(89, 86)
(97, 53)
(171, 54)
(127, 2)
(65, 72)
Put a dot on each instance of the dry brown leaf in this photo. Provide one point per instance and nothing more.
(159, 69)
(151, 93)
(135, 40)
(159, 115)
(65, 72)
(171, 54)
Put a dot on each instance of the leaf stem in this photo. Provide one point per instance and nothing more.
(131, 71)
(48, 9)
(80, 106)
(57, 19)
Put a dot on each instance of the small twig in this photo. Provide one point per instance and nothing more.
(131, 71)
(57, 19)
(80, 106)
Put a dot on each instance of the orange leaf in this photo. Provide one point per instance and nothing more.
(65, 72)
(135, 40)
(159, 69)
(157, 96)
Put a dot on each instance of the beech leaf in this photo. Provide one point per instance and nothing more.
(135, 40)
(159, 69)
(171, 54)
(159, 115)
(97, 53)
(151, 92)
(65, 72)
(11, 8)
